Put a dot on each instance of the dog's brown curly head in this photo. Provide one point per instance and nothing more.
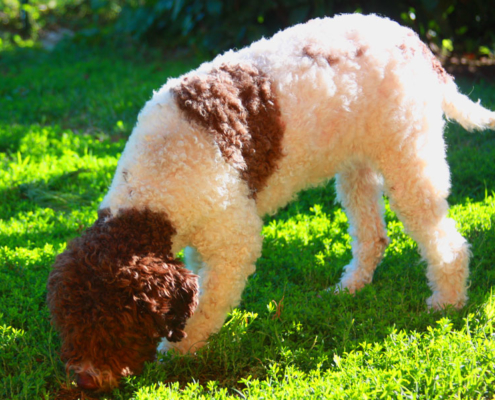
(115, 292)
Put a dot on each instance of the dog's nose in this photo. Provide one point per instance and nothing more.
(86, 382)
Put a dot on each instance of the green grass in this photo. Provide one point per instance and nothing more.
(64, 117)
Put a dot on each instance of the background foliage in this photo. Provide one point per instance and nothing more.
(215, 25)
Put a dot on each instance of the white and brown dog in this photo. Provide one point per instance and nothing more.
(359, 97)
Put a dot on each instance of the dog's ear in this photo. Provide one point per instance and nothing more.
(183, 303)
(168, 292)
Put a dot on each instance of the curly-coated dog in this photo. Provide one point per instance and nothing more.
(359, 97)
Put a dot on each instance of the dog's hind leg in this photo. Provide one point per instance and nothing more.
(227, 247)
(418, 184)
(359, 190)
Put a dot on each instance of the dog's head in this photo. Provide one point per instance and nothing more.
(115, 292)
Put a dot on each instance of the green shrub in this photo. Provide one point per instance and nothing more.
(215, 25)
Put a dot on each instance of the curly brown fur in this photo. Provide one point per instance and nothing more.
(238, 107)
(115, 292)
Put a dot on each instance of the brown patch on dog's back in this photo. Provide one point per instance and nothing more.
(409, 51)
(315, 52)
(436, 65)
(237, 105)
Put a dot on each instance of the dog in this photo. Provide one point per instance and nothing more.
(356, 97)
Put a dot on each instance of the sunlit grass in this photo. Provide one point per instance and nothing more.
(63, 124)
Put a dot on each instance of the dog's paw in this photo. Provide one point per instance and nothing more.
(164, 346)
(170, 349)
(190, 345)
(437, 301)
(351, 283)
(185, 346)
(339, 288)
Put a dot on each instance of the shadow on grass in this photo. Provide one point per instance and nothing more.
(81, 87)
(301, 323)
(36, 141)
(63, 193)
(310, 322)
(308, 325)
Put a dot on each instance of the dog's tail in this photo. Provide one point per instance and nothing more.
(472, 116)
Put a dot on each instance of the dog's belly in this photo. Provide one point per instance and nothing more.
(316, 144)
(296, 172)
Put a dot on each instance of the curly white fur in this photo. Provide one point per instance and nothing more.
(374, 119)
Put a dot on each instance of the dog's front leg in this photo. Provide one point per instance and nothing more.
(227, 249)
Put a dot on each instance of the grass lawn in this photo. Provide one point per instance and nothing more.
(64, 118)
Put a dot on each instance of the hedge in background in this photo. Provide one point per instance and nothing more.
(215, 25)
